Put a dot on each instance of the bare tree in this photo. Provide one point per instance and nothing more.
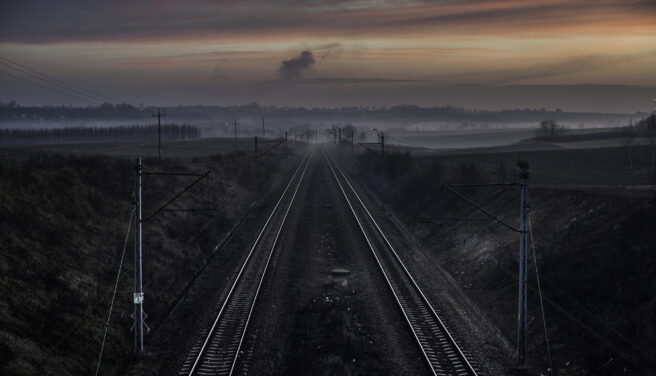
(550, 129)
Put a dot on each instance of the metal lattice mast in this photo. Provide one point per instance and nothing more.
(524, 208)
(138, 280)
(257, 175)
(382, 157)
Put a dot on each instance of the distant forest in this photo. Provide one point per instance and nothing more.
(126, 133)
(13, 112)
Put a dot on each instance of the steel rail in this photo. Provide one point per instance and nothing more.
(266, 266)
(469, 369)
(210, 334)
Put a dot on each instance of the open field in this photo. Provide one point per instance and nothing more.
(174, 149)
(575, 166)
(489, 138)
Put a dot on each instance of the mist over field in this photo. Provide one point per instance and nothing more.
(496, 128)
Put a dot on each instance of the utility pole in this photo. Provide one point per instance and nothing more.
(523, 230)
(381, 134)
(286, 151)
(382, 160)
(352, 141)
(159, 132)
(138, 314)
(524, 209)
(257, 175)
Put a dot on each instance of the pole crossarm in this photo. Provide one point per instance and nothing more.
(430, 202)
(477, 206)
(522, 305)
(369, 143)
(174, 173)
(201, 177)
(455, 218)
(486, 185)
(269, 149)
(188, 210)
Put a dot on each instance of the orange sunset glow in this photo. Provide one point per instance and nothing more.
(423, 52)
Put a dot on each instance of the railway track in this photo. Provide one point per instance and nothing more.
(438, 347)
(218, 348)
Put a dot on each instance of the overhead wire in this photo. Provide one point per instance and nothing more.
(111, 306)
(406, 143)
(119, 278)
(537, 278)
(600, 321)
(56, 85)
(48, 88)
(49, 81)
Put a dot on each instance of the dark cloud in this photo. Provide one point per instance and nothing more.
(346, 81)
(359, 80)
(293, 68)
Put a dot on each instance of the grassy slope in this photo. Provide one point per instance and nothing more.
(593, 239)
(170, 149)
(450, 140)
(64, 220)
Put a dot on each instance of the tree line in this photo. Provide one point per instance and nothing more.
(123, 133)
(13, 111)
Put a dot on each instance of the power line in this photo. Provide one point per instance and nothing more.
(537, 277)
(479, 207)
(57, 82)
(111, 306)
(50, 81)
(406, 143)
(47, 88)
(599, 321)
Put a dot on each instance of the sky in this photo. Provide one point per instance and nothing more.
(577, 55)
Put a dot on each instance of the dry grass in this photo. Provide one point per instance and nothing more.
(64, 220)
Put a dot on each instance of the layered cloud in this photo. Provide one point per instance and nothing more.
(383, 49)
(70, 20)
